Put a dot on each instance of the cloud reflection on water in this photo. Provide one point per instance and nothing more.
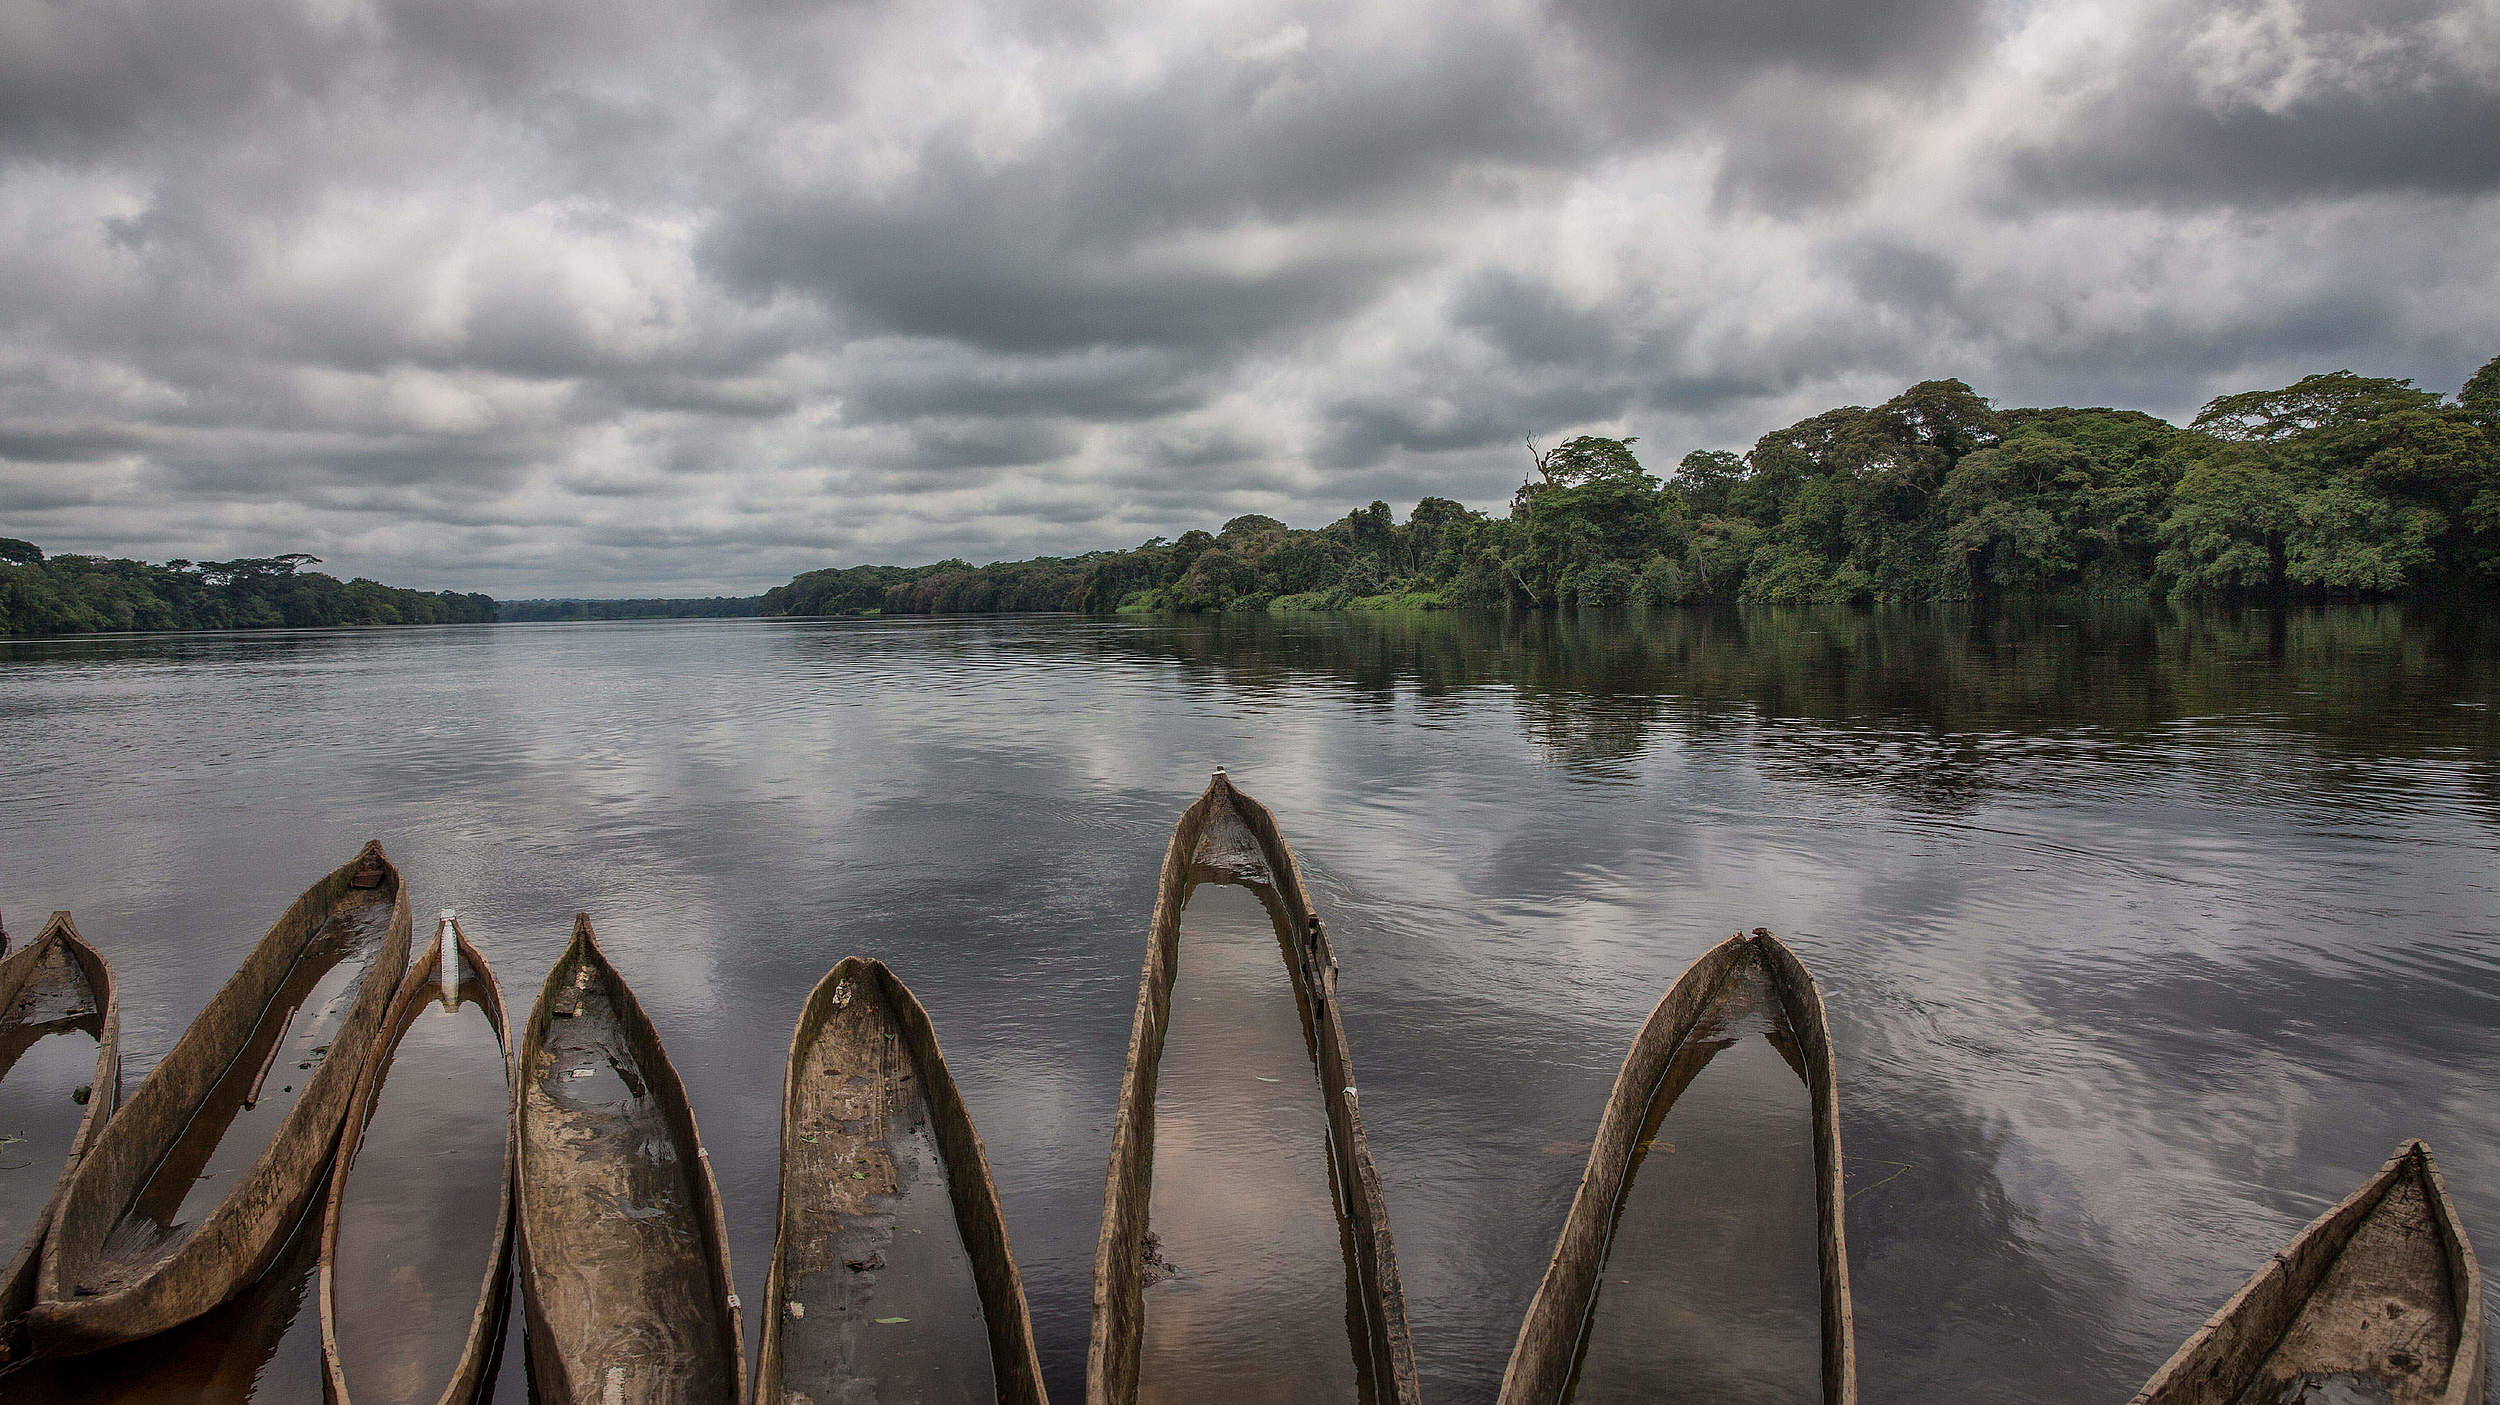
(2144, 935)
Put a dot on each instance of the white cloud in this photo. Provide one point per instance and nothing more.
(643, 298)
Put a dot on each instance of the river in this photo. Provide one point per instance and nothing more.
(2145, 935)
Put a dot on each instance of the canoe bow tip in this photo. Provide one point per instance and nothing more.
(2418, 1152)
(370, 866)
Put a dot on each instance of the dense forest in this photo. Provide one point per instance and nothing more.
(42, 594)
(2338, 486)
(717, 607)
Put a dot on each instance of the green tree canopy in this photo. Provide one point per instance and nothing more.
(2333, 400)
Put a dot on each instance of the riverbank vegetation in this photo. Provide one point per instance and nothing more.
(715, 607)
(2337, 486)
(43, 595)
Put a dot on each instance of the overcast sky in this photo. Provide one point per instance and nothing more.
(684, 296)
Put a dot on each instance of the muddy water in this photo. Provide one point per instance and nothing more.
(910, 1326)
(1711, 1286)
(880, 1300)
(250, 1101)
(1258, 1303)
(417, 1219)
(906, 1325)
(47, 1056)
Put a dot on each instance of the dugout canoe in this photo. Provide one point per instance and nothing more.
(423, 984)
(624, 1251)
(1541, 1361)
(864, 1067)
(107, 1278)
(2379, 1298)
(1112, 1355)
(56, 980)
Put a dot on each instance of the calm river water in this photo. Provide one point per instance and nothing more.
(2145, 936)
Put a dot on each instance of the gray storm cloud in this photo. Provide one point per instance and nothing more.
(635, 298)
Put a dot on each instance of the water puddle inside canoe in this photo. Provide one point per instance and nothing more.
(885, 1307)
(47, 1060)
(417, 1218)
(622, 1275)
(1712, 1288)
(263, 1347)
(1251, 1291)
(236, 1120)
(2339, 1388)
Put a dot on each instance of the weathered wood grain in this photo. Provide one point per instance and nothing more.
(2383, 1288)
(624, 1251)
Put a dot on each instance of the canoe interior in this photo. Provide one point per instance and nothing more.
(250, 1101)
(60, 1079)
(417, 1227)
(892, 1276)
(1227, 833)
(624, 1255)
(2378, 1300)
(1556, 1328)
(1723, 1305)
(191, 1191)
(1249, 1240)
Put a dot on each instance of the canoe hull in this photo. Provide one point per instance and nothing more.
(1113, 1353)
(2224, 1357)
(486, 1324)
(802, 1219)
(238, 1240)
(575, 1288)
(17, 1286)
(1549, 1335)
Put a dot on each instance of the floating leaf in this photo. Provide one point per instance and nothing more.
(889, 1321)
